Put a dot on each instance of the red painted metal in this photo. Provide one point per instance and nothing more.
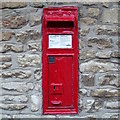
(60, 65)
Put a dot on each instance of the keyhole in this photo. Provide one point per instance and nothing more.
(54, 87)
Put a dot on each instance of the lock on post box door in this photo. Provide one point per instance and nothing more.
(56, 88)
(60, 60)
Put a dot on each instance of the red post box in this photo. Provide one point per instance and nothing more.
(60, 60)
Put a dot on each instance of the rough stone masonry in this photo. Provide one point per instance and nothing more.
(21, 64)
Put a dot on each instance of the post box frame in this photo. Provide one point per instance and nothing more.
(46, 52)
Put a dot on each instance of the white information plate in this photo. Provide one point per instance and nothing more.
(60, 41)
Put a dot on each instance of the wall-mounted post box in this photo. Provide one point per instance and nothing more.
(60, 60)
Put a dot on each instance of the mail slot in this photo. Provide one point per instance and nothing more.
(60, 60)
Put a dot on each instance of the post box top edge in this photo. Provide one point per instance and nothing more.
(59, 7)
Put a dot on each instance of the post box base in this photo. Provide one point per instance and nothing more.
(60, 111)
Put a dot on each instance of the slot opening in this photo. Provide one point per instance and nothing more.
(60, 24)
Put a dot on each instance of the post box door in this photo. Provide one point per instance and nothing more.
(60, 81)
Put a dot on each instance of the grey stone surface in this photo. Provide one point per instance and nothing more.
(118, 43)
(35, 103)
(18, 73)
(6, 13)
(89, 104)
(110, 15)
(29, 60)
(5, 58)
(110, 115)
(5, 65)
(92, 105)
(81, 44)
(83, 92)
(28, 116)
(37, 4)
(21, 60)
(25, 36)
(34, 46)
(37, 74)
(85, 54)
(13, 99)
(109, 79)
(105, 4)
(18, 86)
(11, 47)
(6, 36)
(87, 79)
(112, 104)
(88, 116)
(13, 106)
(106, 30)
(13, 4)
(87, 21)
(14, 22)
(4, 116)
(104, 54)
(84, 32)
(93, 12)
(100, 43)
(98, 66)
(106, 92)
(115, 54)
(35, 19)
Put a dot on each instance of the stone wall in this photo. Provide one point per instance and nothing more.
(21, 64)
